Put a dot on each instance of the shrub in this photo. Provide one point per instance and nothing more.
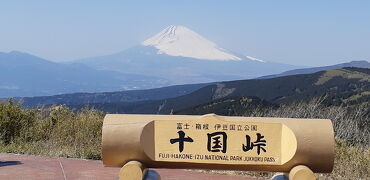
(54, 131)
(15, 122)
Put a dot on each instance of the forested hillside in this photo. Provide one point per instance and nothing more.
(347, 86)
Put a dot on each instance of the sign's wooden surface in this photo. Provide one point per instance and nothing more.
(218, 142)
(210, 140)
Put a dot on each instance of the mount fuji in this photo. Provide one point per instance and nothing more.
(182, 56)
(181, 41)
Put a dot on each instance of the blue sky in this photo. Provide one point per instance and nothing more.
(294, 32)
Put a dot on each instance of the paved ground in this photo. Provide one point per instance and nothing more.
(19, 167)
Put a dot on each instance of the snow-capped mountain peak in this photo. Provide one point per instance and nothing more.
(181, 41)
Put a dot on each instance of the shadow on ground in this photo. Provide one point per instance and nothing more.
(9, 163)
(151, 175)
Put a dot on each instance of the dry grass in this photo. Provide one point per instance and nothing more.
(60, 131)
(351, 162)
(351, 124)
(343, 73)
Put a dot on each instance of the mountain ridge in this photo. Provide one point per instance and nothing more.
(359, 63)
(348, 85)
(112, 97)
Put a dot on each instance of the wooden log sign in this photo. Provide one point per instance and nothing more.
(218, 142)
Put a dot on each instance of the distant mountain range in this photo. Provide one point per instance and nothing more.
(348, 85)
(22, 74)
(182, 56)
(149, 94)
(175, 56)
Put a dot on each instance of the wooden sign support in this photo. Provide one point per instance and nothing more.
(298, 146)
(132, 170)
(135, 170)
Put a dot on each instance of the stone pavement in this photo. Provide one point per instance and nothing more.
(25, 167)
